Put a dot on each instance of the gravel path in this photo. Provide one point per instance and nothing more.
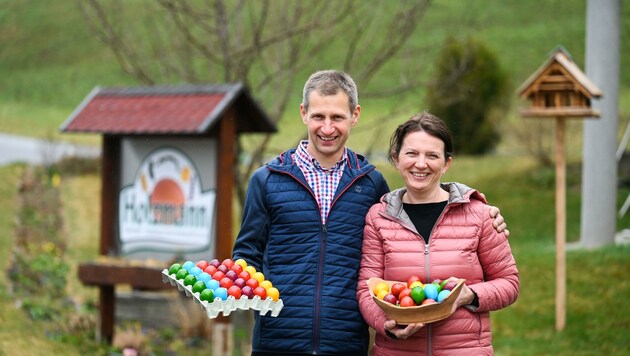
(30, 150)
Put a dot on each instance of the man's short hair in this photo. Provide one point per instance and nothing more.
(329, 82)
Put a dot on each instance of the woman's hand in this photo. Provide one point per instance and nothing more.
(465, 297)
(402, 331)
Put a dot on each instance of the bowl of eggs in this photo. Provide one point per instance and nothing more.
(416, 302)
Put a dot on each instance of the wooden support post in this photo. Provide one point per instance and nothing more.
(560, 226)
(222, 343)
(110, 161)
(110, 167)
(107, 305)
(225, 185)
(222, 335)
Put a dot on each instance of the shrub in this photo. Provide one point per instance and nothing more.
(467, 92)
(75, 165)
(37, 270)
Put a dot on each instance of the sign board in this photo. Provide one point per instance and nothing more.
(167, 203)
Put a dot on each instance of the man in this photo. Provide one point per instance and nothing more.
(303, 223)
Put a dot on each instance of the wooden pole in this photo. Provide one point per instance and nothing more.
(560, 226)
(222, 328)
(110, 163)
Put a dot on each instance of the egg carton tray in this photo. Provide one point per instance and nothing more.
(225, 307)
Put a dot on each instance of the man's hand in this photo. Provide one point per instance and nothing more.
(402, 332)
(499, 223)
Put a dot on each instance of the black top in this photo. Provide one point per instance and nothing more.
(424, 216)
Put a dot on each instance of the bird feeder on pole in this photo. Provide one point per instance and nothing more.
(560, 90)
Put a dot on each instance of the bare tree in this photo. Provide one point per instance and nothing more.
(264, 44)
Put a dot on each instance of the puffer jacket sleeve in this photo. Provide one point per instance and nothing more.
(371, 266)
(380, 183)
(252, 237)
(501, 279)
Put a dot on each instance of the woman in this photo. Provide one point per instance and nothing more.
(436, 231)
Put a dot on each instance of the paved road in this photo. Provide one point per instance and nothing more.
(15, 149)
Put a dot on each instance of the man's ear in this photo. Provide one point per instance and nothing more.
(355, 115)
(303, 114)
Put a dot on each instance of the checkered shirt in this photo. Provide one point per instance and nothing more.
(323, 181)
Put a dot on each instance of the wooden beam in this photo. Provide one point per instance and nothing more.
(557, 87)
(225, 184)
(566, 112)
(106, 305)
(560, 226)
(110, 168)
(139, 277)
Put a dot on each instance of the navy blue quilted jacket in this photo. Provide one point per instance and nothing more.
(315, 266)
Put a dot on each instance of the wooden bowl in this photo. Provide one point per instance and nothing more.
(428, 313)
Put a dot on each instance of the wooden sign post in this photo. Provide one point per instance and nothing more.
(168, 162)
(559, 89)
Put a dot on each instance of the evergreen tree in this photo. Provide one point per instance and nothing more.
(467, 91)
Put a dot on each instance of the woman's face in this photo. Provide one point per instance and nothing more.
(421, 163)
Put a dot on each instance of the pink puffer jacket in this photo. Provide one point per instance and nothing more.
(463, 244)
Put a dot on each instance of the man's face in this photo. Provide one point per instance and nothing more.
(329, 121)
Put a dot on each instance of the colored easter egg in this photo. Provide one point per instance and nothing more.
(431, 291)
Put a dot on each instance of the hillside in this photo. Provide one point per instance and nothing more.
(50, 60)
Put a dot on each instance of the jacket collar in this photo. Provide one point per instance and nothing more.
(355, 163)
(458, 194)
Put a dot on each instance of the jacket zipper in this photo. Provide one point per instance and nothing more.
(426, 263)
(321, 259)
(426, 272)
(318, 289)
(321, 262)
(426, 245)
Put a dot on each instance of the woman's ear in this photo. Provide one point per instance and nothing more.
(449, 160)
(395, 159)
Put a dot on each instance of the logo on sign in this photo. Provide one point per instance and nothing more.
(165, 208)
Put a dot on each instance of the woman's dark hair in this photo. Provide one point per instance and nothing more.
(426, 122)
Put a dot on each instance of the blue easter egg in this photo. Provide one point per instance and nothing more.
(204, 277)
(221, 293)
(443, 294)
(212, 284)
(188, 265)
(195, 271)
(430, 291)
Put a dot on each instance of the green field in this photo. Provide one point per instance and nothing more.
(49, 62)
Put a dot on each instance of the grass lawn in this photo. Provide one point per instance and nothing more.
(597, 314)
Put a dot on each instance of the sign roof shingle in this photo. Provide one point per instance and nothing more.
(186, 109)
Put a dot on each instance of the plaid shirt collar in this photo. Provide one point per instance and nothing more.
(305, 160)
